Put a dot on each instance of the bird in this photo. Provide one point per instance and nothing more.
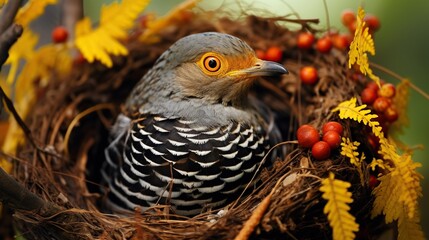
(189, 136)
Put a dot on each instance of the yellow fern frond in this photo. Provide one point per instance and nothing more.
(115, 21)
(22, 49)
(350, 110)
(388, 150)
(381, 164)
(401, 103)
(409, 228)
(46, 60)
(398, 189)
(349, 149)
(40, 66)
(361, 45)
(32, 10)
(157, 25)
(24, 46)
(342, 222)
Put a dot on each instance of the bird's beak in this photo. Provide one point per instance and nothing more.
(264, 68)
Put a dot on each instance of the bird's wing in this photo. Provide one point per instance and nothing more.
(273, 132)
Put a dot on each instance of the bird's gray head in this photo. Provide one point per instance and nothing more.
(213, 67)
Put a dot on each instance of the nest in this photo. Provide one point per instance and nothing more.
(73, 114)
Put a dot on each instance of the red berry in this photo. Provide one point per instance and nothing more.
(308, 75)
(387, 90)
(373, 85)
(341, 41)
(368, 96)
(332, 138)
(59, 34)
(144, 20)
(357, 76)
(348, 17)
(79, 59)
(374, 142)
(307, 136)
(391, 114)
(332, 126)
(352, 27)
(373, 181)
(274, 54)
(324, 44)
(372, 22)
(260, 54)
(381, 104)
(305, 40)
(321, 150)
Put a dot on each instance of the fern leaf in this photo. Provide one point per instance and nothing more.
(409, 228)
(401, 103)
(22, 49)
(349, 149)
(32, 10)
(388, 150)
(400, 186)
(342, 222)
(398, 189)
(381, 164)
(361, 45)
(154, 27)
(115, 21)
(349, 109)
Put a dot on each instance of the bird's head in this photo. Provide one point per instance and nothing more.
(214, 67)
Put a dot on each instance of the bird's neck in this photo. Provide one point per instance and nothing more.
(198, 111)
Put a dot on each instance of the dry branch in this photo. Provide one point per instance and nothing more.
(9, 31)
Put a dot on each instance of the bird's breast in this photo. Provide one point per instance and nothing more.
(178, 163)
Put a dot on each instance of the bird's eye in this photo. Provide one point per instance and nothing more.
(212, 64)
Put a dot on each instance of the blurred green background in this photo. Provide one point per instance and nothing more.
(401, 45)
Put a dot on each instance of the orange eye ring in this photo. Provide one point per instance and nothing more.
(212, 64)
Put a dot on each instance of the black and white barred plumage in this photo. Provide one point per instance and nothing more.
(169, 161)
(189, 137)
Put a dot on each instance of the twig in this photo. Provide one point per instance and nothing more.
(11, 192)
(9, 32)
(9, 104)
(255, 219)
(257, 170)
(400, 78)
(72, 11)
(80, 116)
(17, 196)
(328, 23)
(299, 21)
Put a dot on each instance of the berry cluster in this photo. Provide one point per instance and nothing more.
(330, 40)
(309, 137)
(380, 98)
(348, 18)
